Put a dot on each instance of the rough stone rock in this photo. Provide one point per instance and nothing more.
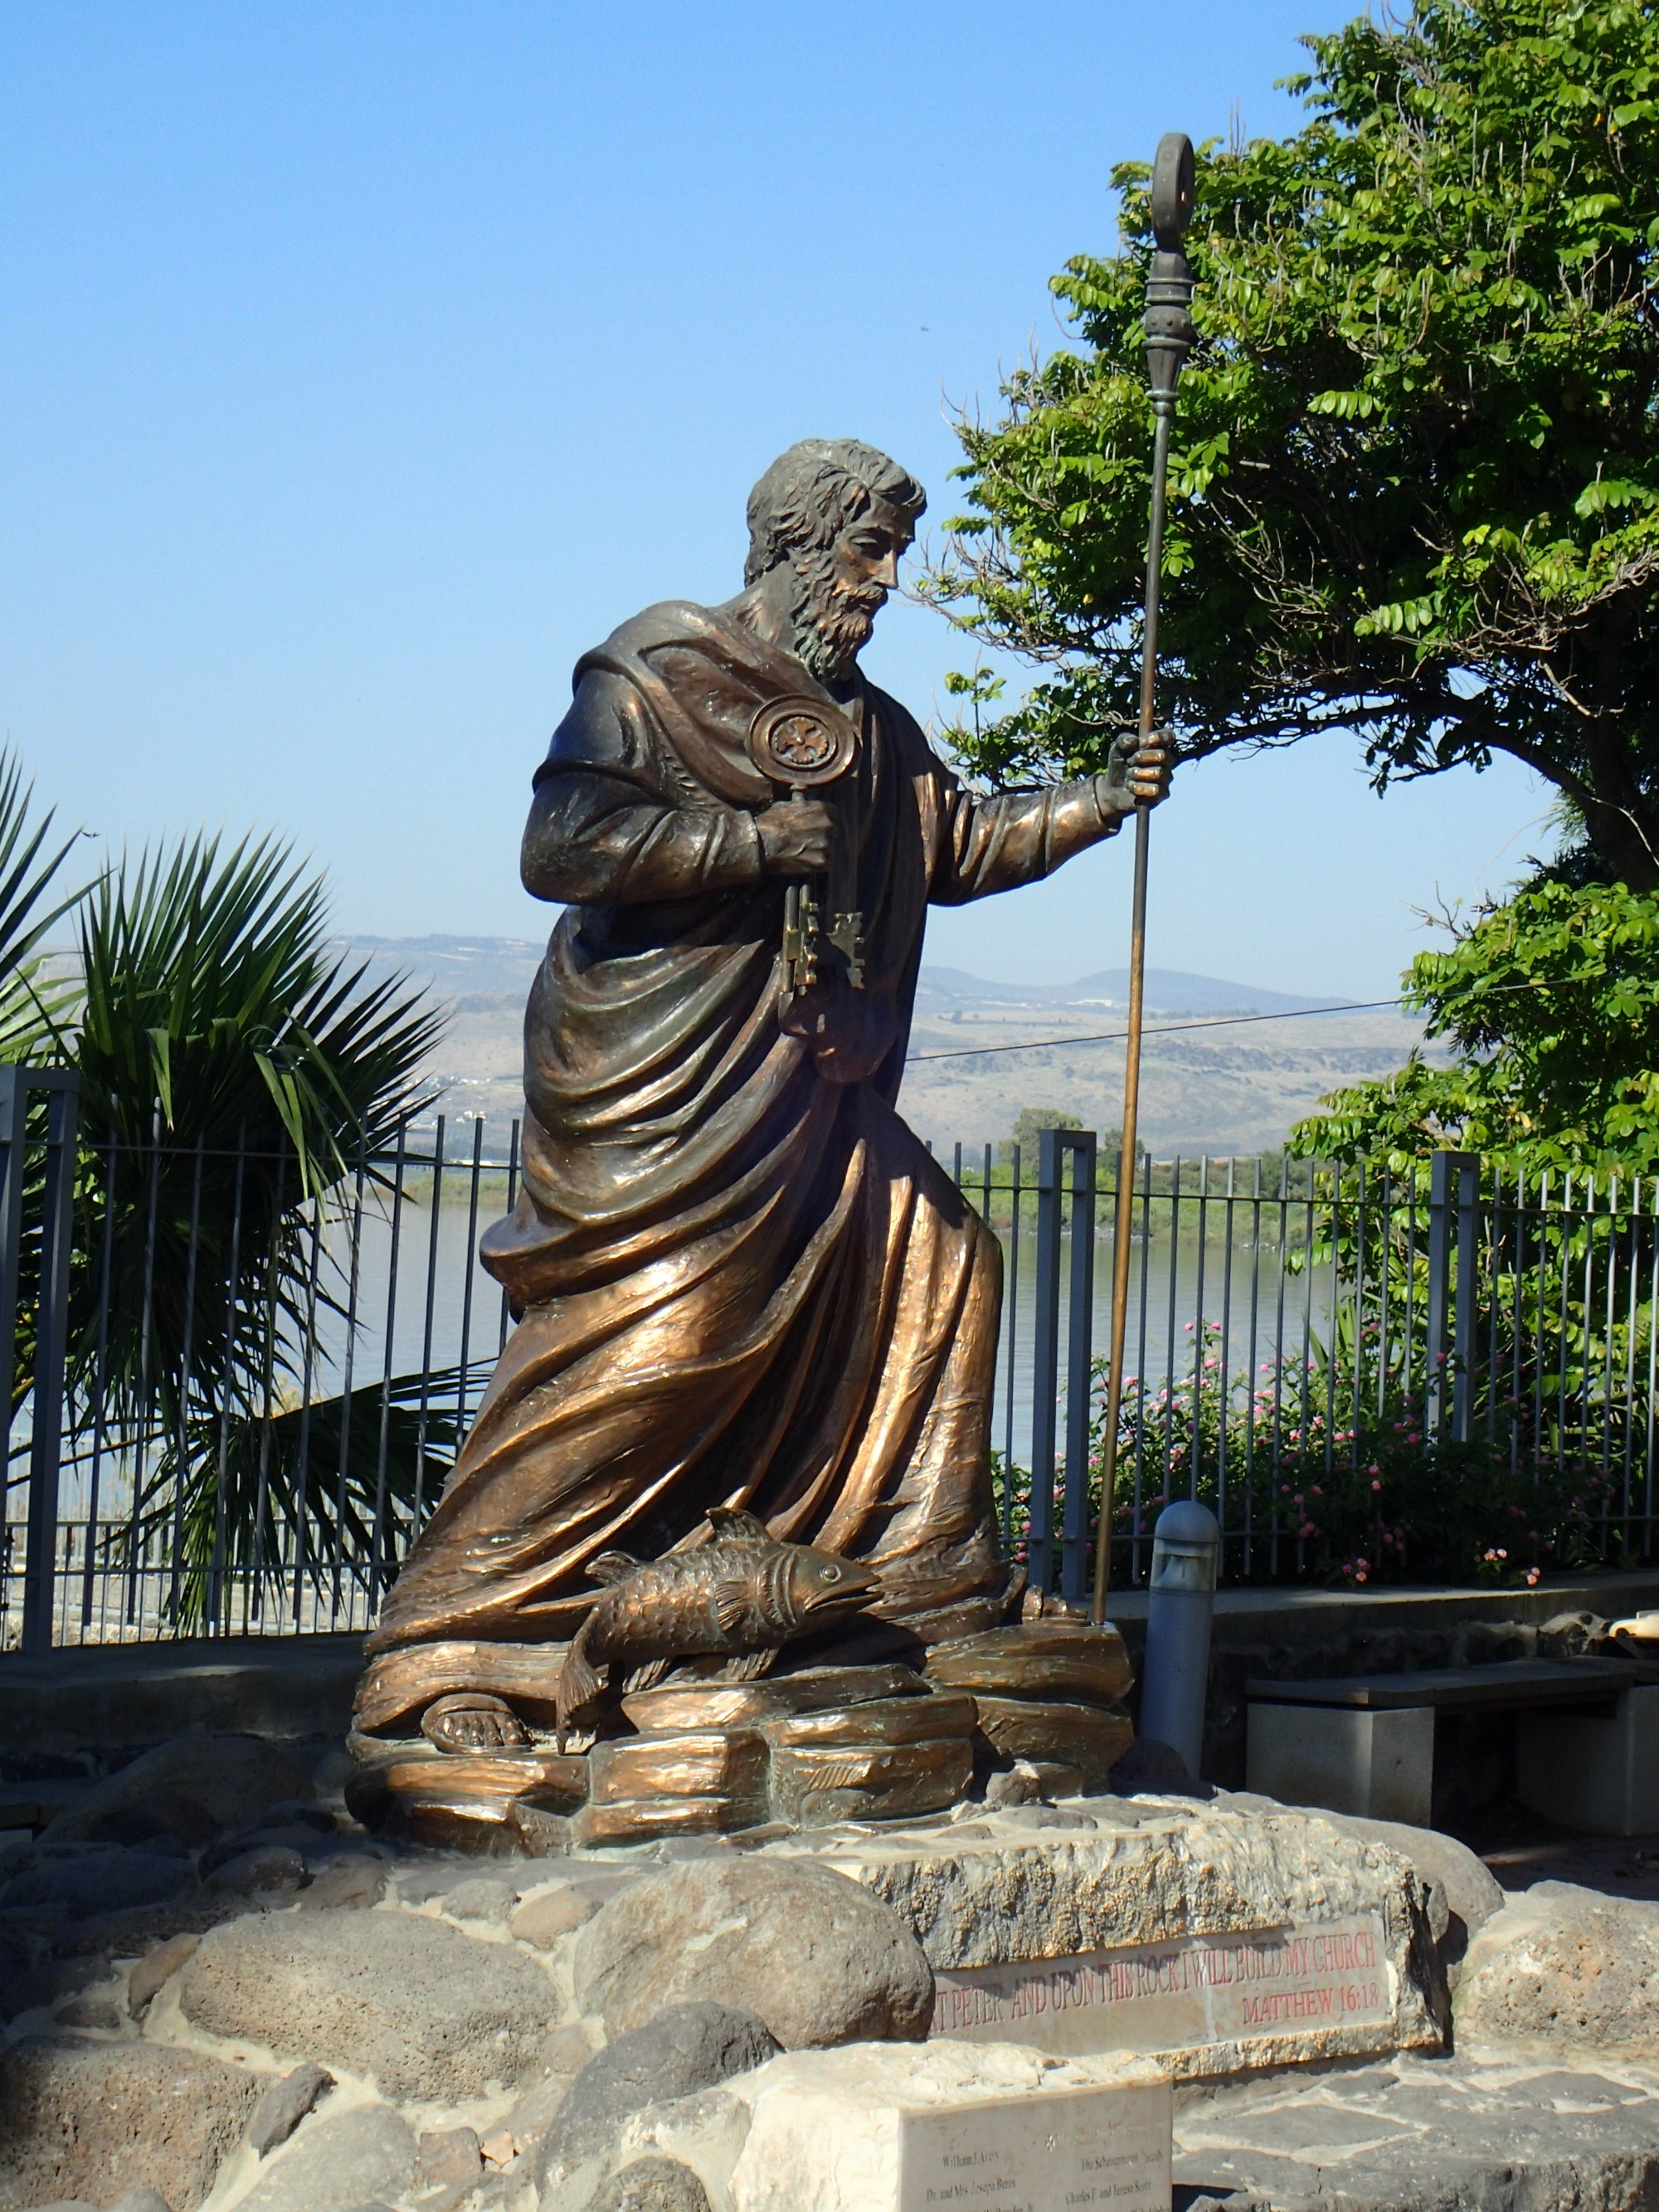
(344, 1884)
(156, 1968)
(295, 1836)
(652, 2184)
(551, 1914)
(427, 2011)
(285, 2104)
(527, 2125)
(450, 2156)
(14, 1958)
(1463, 1894)
(96, 2119)
(142, 2200)
(685, 2048)
(1416, 2135)
(1027, 1890)
(1565, 1968)
(815, 1957)
(480, 1899)
(269, 1868)
(233, 1778)
(332, 1771)
(99, 1882)
(154, 1813)
(46, 1984)
(127, 1935)
(96, 2012)
(342, 2164)
(302, 1812)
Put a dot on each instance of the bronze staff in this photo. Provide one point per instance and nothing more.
(1169, 336)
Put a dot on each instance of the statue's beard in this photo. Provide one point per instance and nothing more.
(833, 619)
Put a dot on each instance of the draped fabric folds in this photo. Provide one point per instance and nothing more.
(738, 1278)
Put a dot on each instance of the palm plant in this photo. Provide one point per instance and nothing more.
(235, 1071)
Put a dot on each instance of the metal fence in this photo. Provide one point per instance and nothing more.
(235, 1404)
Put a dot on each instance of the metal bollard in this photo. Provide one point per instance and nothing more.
(1180, 1599)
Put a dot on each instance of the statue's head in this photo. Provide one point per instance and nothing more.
(829, 521)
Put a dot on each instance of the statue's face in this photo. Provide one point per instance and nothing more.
(843, 588)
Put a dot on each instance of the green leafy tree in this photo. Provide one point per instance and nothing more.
(1414, 491)
(1551, 1004)
(1030, 1123)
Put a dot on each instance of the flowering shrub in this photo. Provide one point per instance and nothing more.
(1307, 1491)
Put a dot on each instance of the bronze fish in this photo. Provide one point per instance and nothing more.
(741, 1592)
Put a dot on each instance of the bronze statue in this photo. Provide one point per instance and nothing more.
(741, 1282)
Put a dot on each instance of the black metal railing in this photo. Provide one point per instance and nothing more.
(235, 1401)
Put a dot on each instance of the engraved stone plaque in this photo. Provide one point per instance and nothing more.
(930, 2127)
(1203, 1990)
(1106, 2148)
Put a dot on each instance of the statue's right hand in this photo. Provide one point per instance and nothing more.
(795, 838)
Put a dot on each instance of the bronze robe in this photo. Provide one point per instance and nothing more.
(739, 1278)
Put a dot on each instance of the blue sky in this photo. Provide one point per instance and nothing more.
(362, 363)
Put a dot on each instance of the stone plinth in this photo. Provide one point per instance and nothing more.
(1220, 1937)
(890, 2129)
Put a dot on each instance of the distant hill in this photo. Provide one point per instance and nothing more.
(1168, 991)
(1219, 1088)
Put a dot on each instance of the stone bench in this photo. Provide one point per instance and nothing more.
(1365, 1744)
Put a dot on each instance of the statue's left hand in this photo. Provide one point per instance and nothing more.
(1139, 773)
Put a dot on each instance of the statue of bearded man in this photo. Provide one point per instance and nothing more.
(739, 1279)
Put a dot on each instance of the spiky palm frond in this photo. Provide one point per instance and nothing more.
(331, 1491)
(235, 1068)
(35, 1004)
(213, 995)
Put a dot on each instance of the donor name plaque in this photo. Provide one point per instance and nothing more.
(1101, 2147)
(1171, 1996)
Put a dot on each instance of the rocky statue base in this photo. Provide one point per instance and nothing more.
(791, 1751)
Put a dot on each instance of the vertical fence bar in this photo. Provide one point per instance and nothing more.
(1197, 1443)
(146, 1349)
(1464, 1319)
(233, 1294)
(1224, 1350)
(181, 1443)
(355, 1250)
(418, 1513)
(377, 1557)
(253, 1596)
(1252, 1372)
(1076, 1549)
(469, 1269)
(51, 1347)
(101, 1375)
(1437, 1332)
(512, 1200)
(303, 1486)
(1045, 1364)
(1012, 1328)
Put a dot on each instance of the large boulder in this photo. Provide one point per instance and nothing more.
(1565, 1969)
(808, 1952)
(359, 2159)
(1463, 1894)
(232, 1778)
(425, 2010)
(96, 2120)
(685, 2048)
(97, 1881)
(651, 2184)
